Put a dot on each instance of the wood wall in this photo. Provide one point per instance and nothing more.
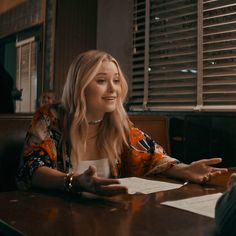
(76, 28)
(6, 5)
(25, 15)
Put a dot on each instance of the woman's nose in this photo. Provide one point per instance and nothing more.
(111, 87)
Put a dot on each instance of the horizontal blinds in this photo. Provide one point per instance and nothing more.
(174, 75)
(219, 53)
(137, 85)
(172, 54)
(173, 50)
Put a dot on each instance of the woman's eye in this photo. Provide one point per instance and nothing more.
(101, 81)
(116, 81)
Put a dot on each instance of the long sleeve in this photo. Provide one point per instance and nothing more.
(40, 148)
(225, 213)
(144, 155)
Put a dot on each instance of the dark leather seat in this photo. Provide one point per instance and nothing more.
(13, 128)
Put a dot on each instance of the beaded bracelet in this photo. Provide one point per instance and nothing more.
(68, 179)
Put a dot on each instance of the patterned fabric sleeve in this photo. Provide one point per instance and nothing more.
(144, 155)
(39, 149)
(225, 213)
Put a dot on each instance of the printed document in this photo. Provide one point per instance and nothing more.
(203, 205)
(145, 186)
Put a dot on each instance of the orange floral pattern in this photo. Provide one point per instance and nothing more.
(144, 154)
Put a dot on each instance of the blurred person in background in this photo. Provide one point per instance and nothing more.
(47, 98)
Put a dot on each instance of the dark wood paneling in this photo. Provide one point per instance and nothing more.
(24, 16)
(6, 5)
(114, 33)
(75, 32)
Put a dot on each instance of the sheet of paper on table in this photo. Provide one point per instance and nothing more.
(139, 185)
(203, 205)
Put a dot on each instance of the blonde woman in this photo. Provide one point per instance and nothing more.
(87, 141)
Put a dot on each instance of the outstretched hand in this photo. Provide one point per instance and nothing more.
(90, 182)
(201, 171)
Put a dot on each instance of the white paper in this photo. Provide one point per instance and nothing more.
(139, 185)
(203, 205)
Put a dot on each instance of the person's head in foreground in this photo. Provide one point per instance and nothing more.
(225, 212)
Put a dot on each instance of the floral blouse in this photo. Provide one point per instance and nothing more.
(43, 147)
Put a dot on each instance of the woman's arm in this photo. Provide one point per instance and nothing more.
(39, 149)
(198, 171)
(147, 158)
(47, 178)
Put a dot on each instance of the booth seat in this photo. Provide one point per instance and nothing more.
(13, 128)
(155, 126)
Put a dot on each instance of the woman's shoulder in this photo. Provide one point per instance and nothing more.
(139, 136)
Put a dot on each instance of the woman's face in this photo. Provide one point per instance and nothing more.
(103, 92)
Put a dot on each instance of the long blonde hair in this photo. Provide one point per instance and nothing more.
(113, 131)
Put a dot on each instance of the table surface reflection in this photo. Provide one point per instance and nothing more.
(38, 213)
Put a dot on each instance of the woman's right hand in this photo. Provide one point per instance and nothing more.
(90, 182)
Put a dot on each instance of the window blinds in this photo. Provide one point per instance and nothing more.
(219, 54)
(183, 55)
(137, 89)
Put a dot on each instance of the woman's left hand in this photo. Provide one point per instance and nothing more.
(197, 171)
(201, 171)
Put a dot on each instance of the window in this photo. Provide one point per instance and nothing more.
(26, 74)
(21, 58)
(184, 54)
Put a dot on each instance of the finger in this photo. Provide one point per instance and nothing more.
(215, 173)
(220, 170)
(112, 190)
(200, 180)
(103, 181)
(92, 170)
(211, 161)
(206, 178)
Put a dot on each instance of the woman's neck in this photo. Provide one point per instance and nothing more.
(92, 131)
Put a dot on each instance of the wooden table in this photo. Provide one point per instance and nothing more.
(37, 213)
